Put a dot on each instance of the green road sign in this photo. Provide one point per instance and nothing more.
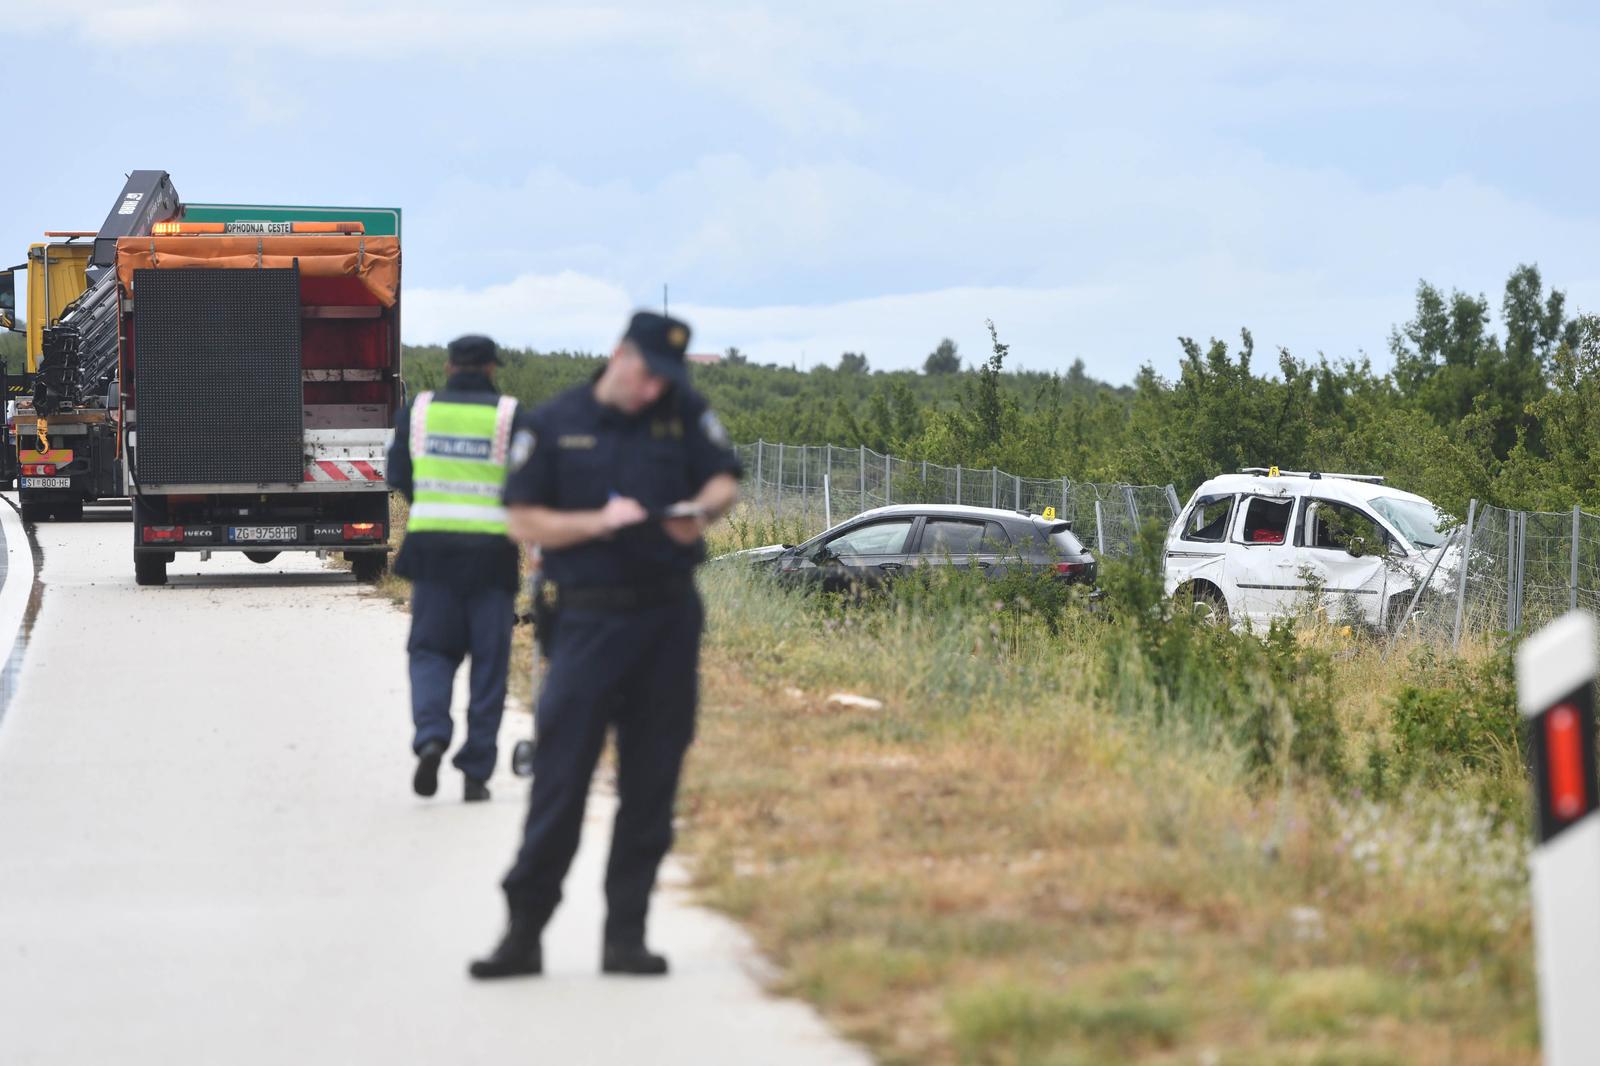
(379, 221)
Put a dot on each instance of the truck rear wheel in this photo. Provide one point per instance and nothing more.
(368, 566)
(261, 557)
(71, 511)
(149, 569)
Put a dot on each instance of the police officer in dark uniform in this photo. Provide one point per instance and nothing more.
(449, 458)
(616, 482)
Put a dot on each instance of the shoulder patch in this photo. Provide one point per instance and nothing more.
(712, 427)
(522, 444)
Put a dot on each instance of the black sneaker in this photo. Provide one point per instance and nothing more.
(474, 791)
(517, 955)
(425, 782)
(633, 959)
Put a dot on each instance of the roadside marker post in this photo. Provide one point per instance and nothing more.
(1556, 694)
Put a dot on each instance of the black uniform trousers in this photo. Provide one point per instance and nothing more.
(639, 671)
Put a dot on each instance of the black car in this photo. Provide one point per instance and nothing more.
(875, 546)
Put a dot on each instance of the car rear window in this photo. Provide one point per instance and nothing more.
(1063, 541)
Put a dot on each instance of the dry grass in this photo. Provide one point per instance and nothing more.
(995, 869)
(999, 869)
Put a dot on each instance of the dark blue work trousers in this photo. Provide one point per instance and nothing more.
(637, 671)
(447, 624)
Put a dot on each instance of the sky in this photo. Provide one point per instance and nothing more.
(810, 179)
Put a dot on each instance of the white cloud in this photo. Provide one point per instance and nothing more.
(1099, 178)
(550, 312)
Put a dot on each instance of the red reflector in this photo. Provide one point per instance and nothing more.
(1565, 749)
(1071, 568)
(38, 469)
(162, 534)
(362, 531)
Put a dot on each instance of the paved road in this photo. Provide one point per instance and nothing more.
(209, 851)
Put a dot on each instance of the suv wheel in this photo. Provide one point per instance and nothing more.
(1207, 604)
(1397, 613)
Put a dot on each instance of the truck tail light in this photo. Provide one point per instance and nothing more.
(38, 469)
(163, 534)
(362, 530)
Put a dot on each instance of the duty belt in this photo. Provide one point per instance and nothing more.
(618, 599)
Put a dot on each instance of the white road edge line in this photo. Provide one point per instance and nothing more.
(19, 580)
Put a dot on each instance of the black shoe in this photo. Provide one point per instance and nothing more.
(633, 959)
(426, 780)
(517, 955)
(475, 791)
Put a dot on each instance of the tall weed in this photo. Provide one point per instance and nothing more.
(1272, 698)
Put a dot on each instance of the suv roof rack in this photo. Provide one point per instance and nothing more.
(1315, 475)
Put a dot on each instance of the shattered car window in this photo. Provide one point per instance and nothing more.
(1209, 519)
(1267, 521)
(1418, 522)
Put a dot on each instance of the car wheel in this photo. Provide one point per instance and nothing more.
(1397, 613)
(1207, 605)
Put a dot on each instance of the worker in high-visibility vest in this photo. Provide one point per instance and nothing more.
(449, 459)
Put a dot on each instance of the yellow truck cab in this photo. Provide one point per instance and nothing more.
(56, 272)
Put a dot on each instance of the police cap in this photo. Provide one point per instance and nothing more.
(663, 342)
(474, 350)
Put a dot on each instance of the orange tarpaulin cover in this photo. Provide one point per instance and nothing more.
(375, 260)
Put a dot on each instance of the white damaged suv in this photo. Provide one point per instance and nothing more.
(1258, 545)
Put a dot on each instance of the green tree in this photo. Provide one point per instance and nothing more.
(1449, 364)
(852, 363)
(943, 359)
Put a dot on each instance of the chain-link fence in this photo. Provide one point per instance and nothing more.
(813, 486)
(1500, 571)
(1505, 571)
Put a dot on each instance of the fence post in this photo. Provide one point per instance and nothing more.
(1577, 535)
(1133, 507)
(958, 482)
(994, 486)
(1099, 529)
(759, 442)
(1461, 583)
(1065, 487)
(861, 454)
(827, 501)
(779, 494)
(888, 480)
(1173, 501)
(805, 481)
(1522, 563)
(1017, 481)
(1513, 552)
